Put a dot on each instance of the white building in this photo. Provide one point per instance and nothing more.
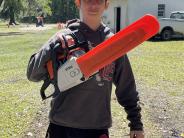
(123, 12)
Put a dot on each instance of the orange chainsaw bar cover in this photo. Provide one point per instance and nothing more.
(118, 45)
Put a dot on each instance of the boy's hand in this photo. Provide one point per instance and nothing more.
(69, 40)
(61, 43)
(136, 134)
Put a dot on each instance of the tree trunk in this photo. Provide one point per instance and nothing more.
(1, 1)
(12, 16)
(29, 13)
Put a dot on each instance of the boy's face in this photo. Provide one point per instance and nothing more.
(93, 8)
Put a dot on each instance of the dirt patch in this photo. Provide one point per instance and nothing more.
(164, 111)
(38, 127)
(34, 28)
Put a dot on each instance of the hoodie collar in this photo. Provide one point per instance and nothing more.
(78, 24)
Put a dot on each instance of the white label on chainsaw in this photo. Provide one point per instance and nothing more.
(69, 75)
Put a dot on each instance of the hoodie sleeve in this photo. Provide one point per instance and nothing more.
(36, 70)
(126, 93)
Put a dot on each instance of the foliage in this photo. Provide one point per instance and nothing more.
(52, 10)
(19, 8)
(37, 7)
(63, 10)
(9, 6)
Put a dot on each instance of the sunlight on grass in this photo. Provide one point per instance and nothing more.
(157, 64)
(19, 98)
(160, 63)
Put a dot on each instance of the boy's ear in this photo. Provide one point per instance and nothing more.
(77, 3)
(107, 4)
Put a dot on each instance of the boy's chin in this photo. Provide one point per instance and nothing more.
(93, 16)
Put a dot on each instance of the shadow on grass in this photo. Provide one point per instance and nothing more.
(160, 40)
(14, 33)
(11, 33)
(3, 25)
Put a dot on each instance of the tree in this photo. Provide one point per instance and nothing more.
(1, 1)
(63, 10)
(10, 9)
(37, 8)
(13, 8)
(56, 10)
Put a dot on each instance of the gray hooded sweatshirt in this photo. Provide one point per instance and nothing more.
(88, 105)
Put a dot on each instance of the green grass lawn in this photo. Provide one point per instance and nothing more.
(153, 63)
(160, 63)
(19, 98)
(157, 65)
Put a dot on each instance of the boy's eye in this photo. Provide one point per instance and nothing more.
(91, 1)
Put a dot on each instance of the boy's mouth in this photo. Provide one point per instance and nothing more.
(93, 12)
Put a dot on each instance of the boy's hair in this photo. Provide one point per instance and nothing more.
(77, 2)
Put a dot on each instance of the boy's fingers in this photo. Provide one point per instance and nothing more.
(68, 38)
(136, 134)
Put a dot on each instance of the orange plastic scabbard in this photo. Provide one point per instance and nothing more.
(118, 45)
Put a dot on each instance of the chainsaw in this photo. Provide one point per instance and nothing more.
(78, 69)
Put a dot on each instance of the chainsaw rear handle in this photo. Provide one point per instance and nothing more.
(59, 55)
(49, 63)
(62, 52)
